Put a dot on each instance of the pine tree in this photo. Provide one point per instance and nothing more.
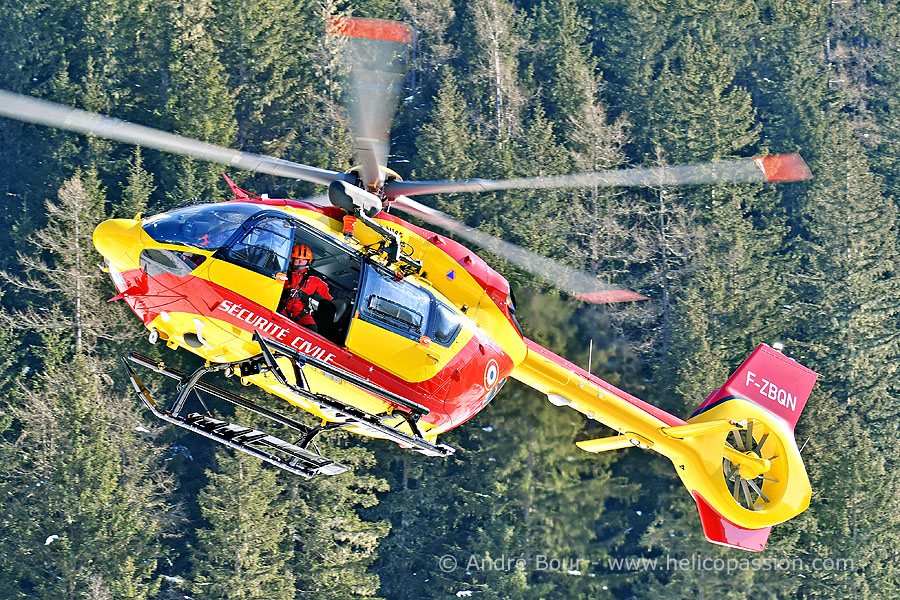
(570, 84)
(445, 145)
(847, 322)
(431, 52)
(494, 71)
(138, 190)
(65, 272)
(84, 504)
(334, 543)
(265, 51)
(197, 99)
(847, 286)
(564, 67)
(863, 39)
(243, 551)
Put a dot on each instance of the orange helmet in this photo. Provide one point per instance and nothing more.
(302, 251)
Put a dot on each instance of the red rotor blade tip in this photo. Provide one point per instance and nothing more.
(375, 29)
(783, 167)
(610, 296)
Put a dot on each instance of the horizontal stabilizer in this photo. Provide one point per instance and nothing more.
(616, 442)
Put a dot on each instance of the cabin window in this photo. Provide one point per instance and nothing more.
(265, 248)
(397, 314)
(446, 324)
(397, 306)
(156, 261)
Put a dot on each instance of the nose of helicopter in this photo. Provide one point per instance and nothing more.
(119, 241)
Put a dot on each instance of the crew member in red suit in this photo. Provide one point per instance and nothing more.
(300, 287)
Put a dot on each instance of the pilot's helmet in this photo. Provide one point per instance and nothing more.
(302, 251)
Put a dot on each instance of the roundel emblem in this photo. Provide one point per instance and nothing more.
(491, 374)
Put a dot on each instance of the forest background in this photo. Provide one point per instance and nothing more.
(97, 501)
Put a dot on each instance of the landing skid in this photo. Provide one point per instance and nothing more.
(294, 457)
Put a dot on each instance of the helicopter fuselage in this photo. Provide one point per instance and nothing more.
(439, 338)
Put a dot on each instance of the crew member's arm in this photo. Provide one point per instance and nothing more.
(322, 289)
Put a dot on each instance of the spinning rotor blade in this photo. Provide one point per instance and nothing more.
(579, 284)
(43, 112)
(377, 51)
(775, 167)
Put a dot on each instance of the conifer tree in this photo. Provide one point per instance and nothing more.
(334, 544)
(497, 42)
(84, 503)
(847, 286)
(431, 50)
(861, 47)
(564, 66)
(64, 271)
(197, 99)
(846, 328)
(570, 82)
(265, 49)
(138, 190)
(244, 549)
(445, 144)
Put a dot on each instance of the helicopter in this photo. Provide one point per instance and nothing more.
(419, 333)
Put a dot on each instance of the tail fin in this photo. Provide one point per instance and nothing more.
(765, 396)
(777, 383)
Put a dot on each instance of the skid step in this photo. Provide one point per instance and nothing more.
(315, 463)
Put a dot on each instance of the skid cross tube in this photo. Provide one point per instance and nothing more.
(225, 395)
(356, 416)
(268, 344)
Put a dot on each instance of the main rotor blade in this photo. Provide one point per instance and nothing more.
(579, 284)
(775, 167)
(377, 51)
(43, 112)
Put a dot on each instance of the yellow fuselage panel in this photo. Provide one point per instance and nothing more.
(263, 290)
(409, 359)
(335, 388)
(226, 343)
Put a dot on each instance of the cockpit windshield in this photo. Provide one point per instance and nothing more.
(205, 226)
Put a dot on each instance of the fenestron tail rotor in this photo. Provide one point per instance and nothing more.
(747, 488)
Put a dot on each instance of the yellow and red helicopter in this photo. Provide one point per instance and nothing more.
(420, 334)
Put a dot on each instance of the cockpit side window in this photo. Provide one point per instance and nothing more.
(265, 248)
(446, 325)
(204, 226)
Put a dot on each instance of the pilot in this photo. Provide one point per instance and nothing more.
(300, 286)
